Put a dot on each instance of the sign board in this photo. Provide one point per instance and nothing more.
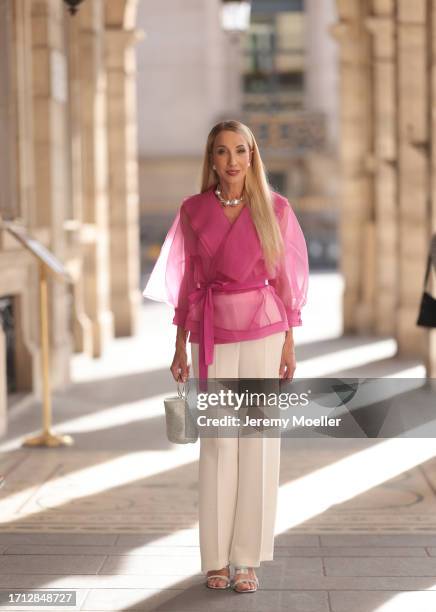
(38, 250)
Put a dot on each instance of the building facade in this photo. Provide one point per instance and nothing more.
(290, 102)
(189, 71)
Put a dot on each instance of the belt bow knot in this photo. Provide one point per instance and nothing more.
(204, 291)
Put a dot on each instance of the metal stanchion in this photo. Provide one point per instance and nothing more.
(47, 262)
(47, 437)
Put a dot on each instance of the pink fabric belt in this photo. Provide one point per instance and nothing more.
(206, 337)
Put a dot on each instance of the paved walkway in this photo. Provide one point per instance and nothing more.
(115, 516)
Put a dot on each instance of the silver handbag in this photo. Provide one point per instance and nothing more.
(180, 425)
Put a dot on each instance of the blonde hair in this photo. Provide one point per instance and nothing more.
(257, 191)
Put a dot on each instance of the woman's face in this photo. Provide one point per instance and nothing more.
(231, 156)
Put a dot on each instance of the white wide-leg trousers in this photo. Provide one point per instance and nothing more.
(239, 476)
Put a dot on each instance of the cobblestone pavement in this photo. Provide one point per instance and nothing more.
(114, 517)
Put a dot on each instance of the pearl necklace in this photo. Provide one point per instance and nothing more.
(233, 202)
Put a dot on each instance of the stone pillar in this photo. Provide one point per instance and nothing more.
(3, 384)
(8, 204)
(21, 91)
(95, 231)
(431, 346)
(18, 279)
(321, 70)
(51, 165)
(123, 179)
(413, 177)
(382, 26)
(356, 200)
(81, 324)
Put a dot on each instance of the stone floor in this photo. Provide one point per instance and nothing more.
(114, 517)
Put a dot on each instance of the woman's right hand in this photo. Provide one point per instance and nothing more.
(179, 367)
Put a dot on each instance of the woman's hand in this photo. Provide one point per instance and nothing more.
(180, 368)
(288, 362)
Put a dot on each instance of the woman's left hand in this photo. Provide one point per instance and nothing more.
(288, 362)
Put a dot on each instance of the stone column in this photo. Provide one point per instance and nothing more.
(123, 178)
(321, 69)
(81, 324)
(24, 292)
(413, 178)
(382, 27)
(21, 92)
(51, 165)
(95, 229)
(8, 204)
(7, 170)
(431, 346)
(356, 199)
(3, 384)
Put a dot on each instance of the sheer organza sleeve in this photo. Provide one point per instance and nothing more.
(171, 279)
(292, 276)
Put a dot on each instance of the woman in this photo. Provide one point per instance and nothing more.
(234, 266)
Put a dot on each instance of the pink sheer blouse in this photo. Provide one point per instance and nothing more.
(212, 271)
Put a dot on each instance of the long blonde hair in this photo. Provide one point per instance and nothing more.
(257, 191)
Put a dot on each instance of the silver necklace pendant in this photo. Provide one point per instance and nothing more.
(232, 202)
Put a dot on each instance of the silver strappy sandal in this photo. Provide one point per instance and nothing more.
(221, 577)
(242, 569)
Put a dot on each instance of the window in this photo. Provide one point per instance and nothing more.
(274, 57)
(291, 81)
(277, 181)
(284, 131)
(263, 131)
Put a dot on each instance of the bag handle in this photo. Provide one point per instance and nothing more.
(185, 388)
